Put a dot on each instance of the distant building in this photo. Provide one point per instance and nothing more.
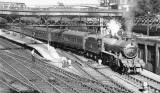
(104, 3)
(118, 4)
(126, 4)
(12, 5)
(112, 4)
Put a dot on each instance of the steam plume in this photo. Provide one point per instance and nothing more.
(129, 15)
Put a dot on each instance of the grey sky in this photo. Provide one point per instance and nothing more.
(54, 2)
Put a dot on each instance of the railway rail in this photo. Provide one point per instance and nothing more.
(9, 46)
(5, 88)
(102, 77)
(9, 80)
(81, 82)
(137, 80)
(18, 75)
(154, 86)
(113, 88)
(46, 74)
(16, 67)
(77, 66)
(33, 77)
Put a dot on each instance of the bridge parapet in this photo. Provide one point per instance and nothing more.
(9, 8)
(57, 12)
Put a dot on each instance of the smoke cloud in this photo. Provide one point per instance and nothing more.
(129, 15)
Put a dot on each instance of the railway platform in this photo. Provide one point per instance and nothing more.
(48, 54)
(149, 51)
(151, 75)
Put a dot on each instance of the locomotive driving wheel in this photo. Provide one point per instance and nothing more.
(116, 65)
(112, 62)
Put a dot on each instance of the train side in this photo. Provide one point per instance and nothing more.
(119, 54)
(70, 38)
(93, 44)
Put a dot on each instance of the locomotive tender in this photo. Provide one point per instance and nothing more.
(120, 54)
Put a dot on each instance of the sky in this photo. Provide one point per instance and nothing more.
(53, 2)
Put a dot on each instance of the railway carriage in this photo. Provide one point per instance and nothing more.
(70, 39)
(40, 33)
(74, 39)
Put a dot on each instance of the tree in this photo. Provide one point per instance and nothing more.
(146, 7)
(155, 6)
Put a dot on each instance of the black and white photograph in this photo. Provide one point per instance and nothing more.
(79, 46)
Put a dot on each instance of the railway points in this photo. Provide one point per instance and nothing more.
(78, 65)
(4, 88)
(14, 83)
(33, 77)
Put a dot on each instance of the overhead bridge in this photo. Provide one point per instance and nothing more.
(61, 12)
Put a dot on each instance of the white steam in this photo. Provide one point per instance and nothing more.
(114, 26)
(129, 15)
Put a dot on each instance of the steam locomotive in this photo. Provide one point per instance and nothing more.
(119, 53)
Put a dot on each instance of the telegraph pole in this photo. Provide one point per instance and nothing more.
(49, 33)
(148, 28)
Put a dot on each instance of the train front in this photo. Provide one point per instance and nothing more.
(130, 55)
(125, 49)
(121, 48)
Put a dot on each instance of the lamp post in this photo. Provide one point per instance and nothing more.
(148, 28)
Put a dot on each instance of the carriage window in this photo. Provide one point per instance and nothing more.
(79, 40)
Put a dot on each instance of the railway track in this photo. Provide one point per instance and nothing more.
(14, 72)
(82, 83)
(10, 81)
(137, 81)
(17, 52)
(154, 86)
(62, 83)
(11, 47)
(78, 66)
(101, 77)
(5, 88)
(97, 83)
(25, 75)
(37, 80)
